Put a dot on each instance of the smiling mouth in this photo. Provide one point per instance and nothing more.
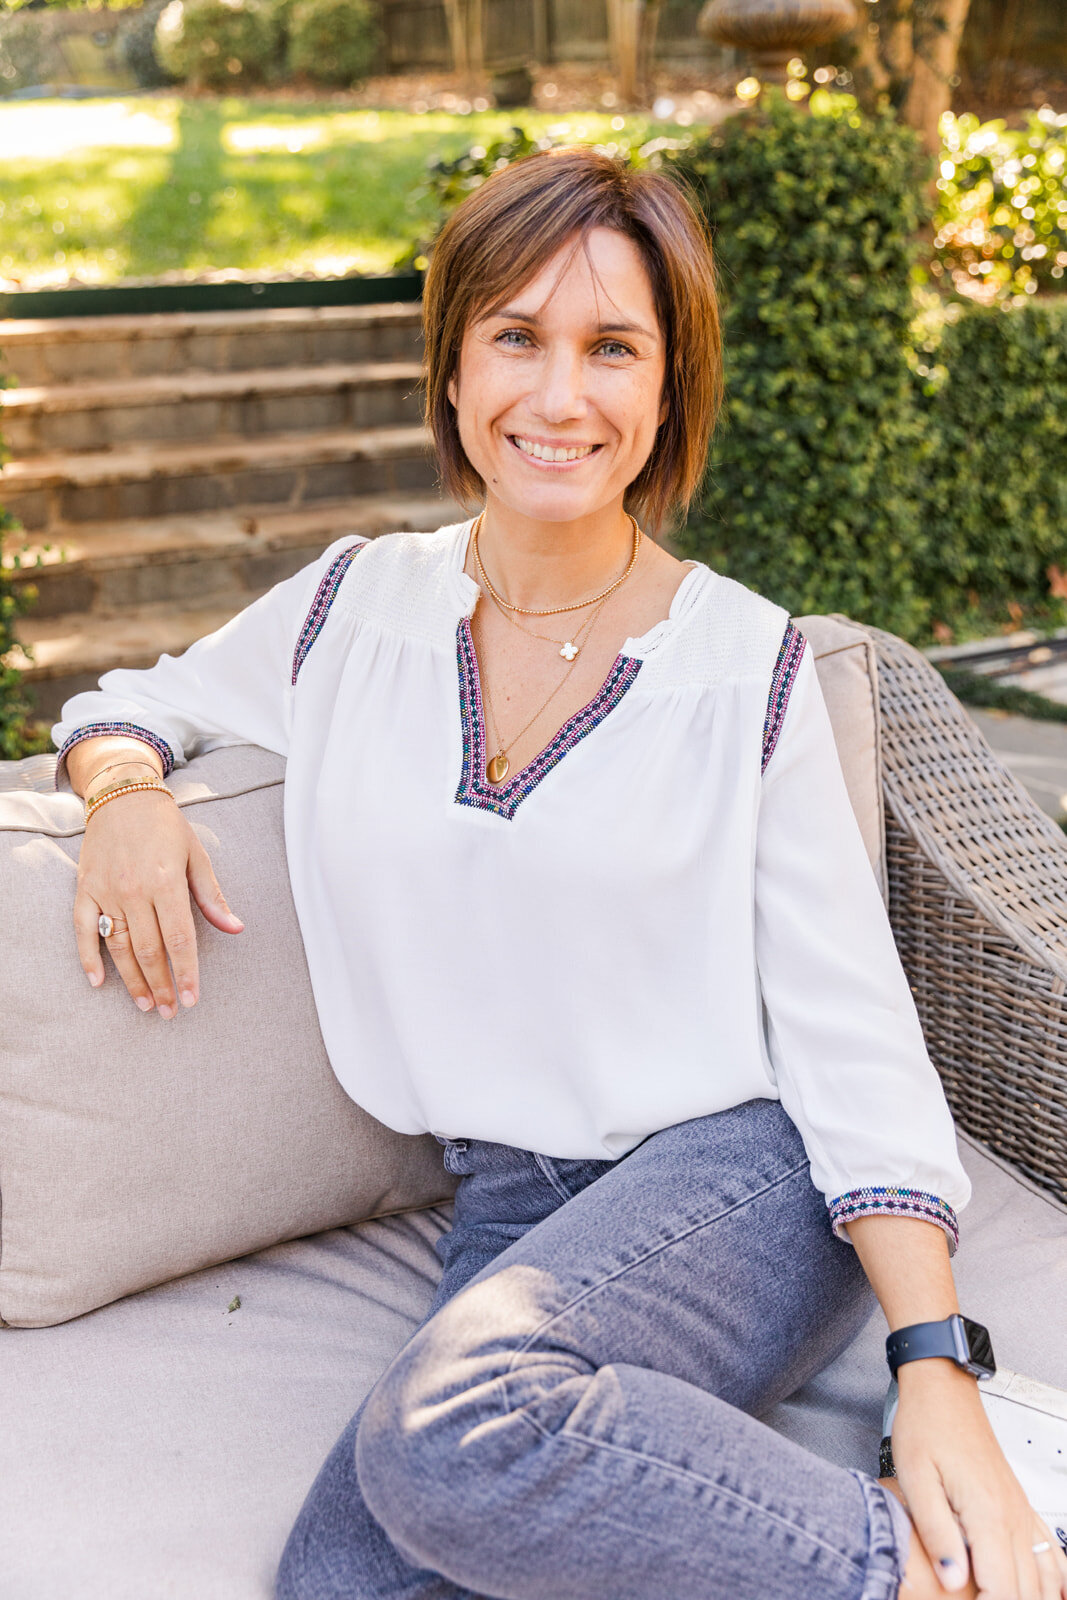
(548, 452)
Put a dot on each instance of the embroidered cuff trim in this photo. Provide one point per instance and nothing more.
(882, 1200)
(127, 730)
(782, 680)
(325, 595)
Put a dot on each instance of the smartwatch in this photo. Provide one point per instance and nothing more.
(958, 1339)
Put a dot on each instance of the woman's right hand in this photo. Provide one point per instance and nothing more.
(140, 863)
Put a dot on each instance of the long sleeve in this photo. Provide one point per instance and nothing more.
(234, 686)
(843, 1034)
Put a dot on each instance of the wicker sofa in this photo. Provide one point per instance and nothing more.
(160, 1445)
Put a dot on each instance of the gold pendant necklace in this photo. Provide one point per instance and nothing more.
(498, 767)
(569, 649)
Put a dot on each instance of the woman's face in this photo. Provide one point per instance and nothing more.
(559, 393)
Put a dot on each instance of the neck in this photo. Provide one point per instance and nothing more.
(535, 563)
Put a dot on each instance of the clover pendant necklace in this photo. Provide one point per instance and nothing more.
(498, 767)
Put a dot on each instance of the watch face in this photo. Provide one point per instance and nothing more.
(980, 1345)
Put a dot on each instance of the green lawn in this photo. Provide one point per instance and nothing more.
(149, 185)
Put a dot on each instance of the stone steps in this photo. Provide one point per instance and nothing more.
(51, 492)
(100, 568)
(70, 653)
(168, 469)
(87, 349)
(133, 593)
(80, 417)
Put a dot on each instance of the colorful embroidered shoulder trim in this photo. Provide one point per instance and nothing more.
(325, 595)
(505, 798)
(880, 1201)
(782, 680)
(127, 730)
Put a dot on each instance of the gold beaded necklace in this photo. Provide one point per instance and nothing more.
(568, 648)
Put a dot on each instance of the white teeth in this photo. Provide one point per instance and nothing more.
(547, 452)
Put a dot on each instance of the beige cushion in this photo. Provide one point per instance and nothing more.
(133, 1149)
(160, 1448)
(848, 677)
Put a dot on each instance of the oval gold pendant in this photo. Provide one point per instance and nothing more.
(498, 769)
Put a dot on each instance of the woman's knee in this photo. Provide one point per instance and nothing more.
(412, 1448)
(442, 1445)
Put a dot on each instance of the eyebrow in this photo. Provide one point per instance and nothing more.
(604, 327)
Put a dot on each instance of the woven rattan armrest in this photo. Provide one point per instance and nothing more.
(978, 903)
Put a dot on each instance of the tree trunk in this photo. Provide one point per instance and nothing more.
(466, 36)
(937, 43)
(455, 17)
(624, 32)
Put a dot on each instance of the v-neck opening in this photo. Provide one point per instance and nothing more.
(505, 798)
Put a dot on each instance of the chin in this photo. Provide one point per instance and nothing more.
(548, 502)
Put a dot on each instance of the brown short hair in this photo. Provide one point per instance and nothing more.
(510, 228)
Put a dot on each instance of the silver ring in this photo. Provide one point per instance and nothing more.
(1039, 1549)
(105, 925)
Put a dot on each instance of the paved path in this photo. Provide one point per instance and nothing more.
(1036, 752)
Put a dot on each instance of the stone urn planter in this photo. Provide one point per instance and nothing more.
(772, 32)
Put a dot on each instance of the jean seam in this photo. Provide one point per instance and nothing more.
(688, 1476)
(550, 1176)
(655, 1250)
(882, 1578)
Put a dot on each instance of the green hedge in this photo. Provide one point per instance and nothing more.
(813, 495)
(220, 44)
(229, 44)
(995, 489)
(333, 41)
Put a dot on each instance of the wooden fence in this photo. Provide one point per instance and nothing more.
(540, 30)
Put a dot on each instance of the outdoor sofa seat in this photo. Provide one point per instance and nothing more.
(161, 1445)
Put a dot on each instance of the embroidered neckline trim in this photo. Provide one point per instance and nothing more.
(504, 799)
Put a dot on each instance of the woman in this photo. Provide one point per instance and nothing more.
(582, 894)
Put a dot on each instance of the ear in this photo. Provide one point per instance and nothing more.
(664, 411)
(452, 392)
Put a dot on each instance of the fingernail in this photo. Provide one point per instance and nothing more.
(952, 1574)
(188, 997)
(143, 1003)
(167, 1011)
(95, 978)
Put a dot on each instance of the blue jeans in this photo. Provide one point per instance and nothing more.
(576, 1418)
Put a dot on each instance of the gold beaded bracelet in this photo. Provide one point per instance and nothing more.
(136, 786)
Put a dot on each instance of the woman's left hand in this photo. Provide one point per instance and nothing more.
(961, 1492)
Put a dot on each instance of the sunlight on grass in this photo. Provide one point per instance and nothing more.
(149, 187)
(47, 129)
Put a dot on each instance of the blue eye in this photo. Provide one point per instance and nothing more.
(516, 337)
(615, 347)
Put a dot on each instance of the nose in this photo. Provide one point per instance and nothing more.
(560, 393)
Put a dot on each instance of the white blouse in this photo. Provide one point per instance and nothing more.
(668, 912)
